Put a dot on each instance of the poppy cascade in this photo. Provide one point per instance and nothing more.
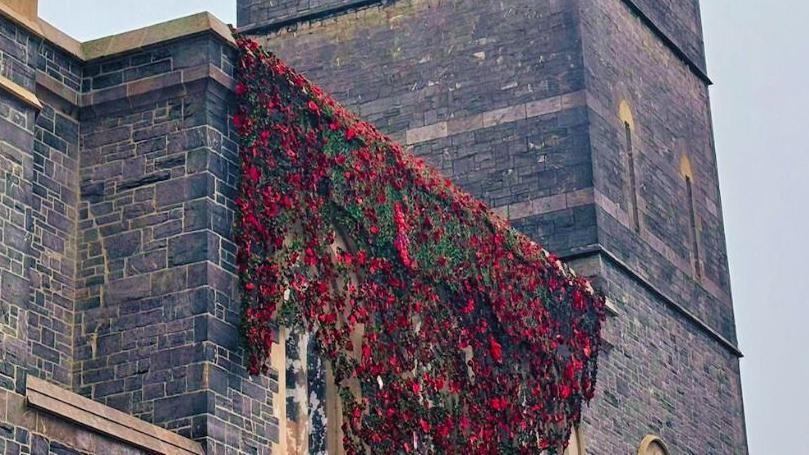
(447, 330)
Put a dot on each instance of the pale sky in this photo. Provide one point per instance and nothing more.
(757, 57)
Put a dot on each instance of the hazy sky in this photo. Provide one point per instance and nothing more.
(757, 56)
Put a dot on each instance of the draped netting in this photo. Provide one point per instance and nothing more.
(447, 330)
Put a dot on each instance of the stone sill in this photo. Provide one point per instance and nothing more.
(20, 92)
(105, 420)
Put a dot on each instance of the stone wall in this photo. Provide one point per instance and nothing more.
(39, 169)
(117, 275)
(39, 163)
(16, 165)
(157, 326)
(679, 21)
(672, 120)
(255, 13)
(657, 375)
(519, 102)
(490, 93)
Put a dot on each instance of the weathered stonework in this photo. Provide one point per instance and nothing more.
(520, 103)
(492, 96)
(255, 13)
(39, 163)
(118, 171)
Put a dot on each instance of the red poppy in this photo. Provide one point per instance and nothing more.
(238, 121)
(496, 350)
(498, 404)
(565, 391)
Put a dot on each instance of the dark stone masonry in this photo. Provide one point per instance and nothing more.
(586, 123)
(520, 102)
(116, 264)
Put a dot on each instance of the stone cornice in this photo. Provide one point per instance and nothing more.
(105, 420)
(133, 41)
(23, 20)
(599, 250)
(60, 39)
(156, 34)
(695, 67)
(20, 92)
(121, 43)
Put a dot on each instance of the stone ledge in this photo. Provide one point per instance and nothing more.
(155, 34)
(105, 420)
(32, 25)
(547, 204)
(157, 83)
(495, 117)
(598, 249)
(20, 92)
(28, 8)
(60, 39)
(128, 41)
(47, 82)
(137, 87)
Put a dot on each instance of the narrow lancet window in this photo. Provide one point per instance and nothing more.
(693, 224)
(633, 192)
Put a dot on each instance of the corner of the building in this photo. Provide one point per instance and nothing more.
(118, 241)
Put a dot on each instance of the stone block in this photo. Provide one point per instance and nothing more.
(126, 289)
(183, 189)
(107, 136)
(169, 280)
(426, 133)
(14, 289)
(123, 245)
(146, 262)
(181, 406)
(189, 248)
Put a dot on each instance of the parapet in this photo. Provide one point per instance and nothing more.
(23, 13)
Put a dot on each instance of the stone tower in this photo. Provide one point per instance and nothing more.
(588, 125)
(118, 317)
(585, 122)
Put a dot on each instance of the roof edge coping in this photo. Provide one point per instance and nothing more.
(121, 43)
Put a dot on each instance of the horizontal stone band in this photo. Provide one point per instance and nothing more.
(496, 117)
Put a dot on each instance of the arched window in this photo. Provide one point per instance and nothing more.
(688, 176)
(307, 403)
(652, 445)
(625, 114)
